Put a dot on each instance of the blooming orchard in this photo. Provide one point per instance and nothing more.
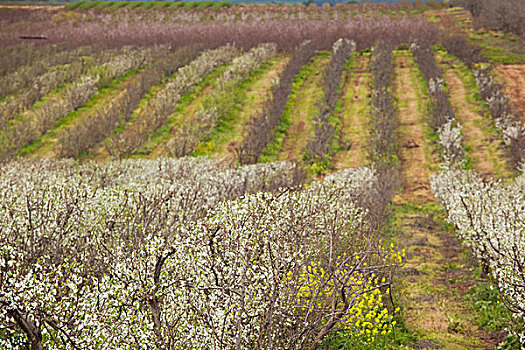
(162, 254)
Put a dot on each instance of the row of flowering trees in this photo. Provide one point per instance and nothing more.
(440, 111)
(492, 93)
(319, 148)
(183, 253)
(99, 121)
(488, 214)
(260, 129)
(47, 73)
(77, 65)
(489, 217)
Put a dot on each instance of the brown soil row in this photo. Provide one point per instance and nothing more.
(416, 186)
(514, 77)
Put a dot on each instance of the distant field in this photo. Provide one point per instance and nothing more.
(212, 175)
(156, 5)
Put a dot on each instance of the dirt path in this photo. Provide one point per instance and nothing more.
(436, 275)
(410, 109)
(304, 110)
(354, 115)
(514, 78)
(483, 145)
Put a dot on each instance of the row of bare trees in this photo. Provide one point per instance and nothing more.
(31, 83)
(287, 33)
(42, 116)
(99, 123)
(383, 145)
(440, 112)
(319, 148)
(260, 129)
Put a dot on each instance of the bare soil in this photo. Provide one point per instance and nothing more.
(514, 78)
(416, 184)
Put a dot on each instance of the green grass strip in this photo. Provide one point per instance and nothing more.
(155, 5)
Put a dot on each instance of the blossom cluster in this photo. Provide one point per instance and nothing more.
(221, 102)
(159, 108)
(488, 216)
(160, 254)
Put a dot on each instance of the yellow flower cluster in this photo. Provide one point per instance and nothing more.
(368, 318)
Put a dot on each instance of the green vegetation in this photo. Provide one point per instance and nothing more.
(491, 136)
(226, 128)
